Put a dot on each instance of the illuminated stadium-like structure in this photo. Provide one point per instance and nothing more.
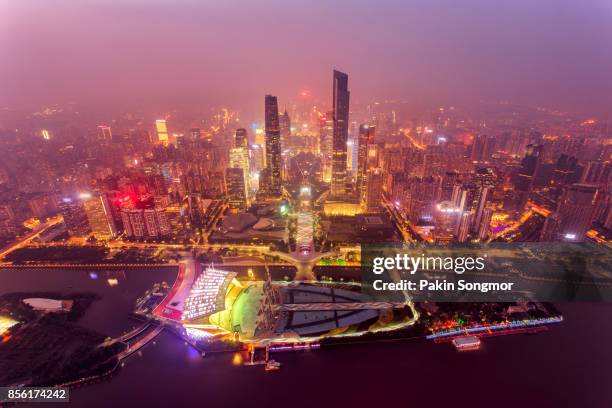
(218, 304)
(207, 295)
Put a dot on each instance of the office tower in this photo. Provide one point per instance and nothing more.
(162, 131)
(576, 211)
(341, 122)
(100, 216)
(485, 224)
(241, 138)
(326, 135)
(236, 189)
(374, 191)
(350, 157)
(284, 123)
(273, 147)
(104, 133)
(366, 137)
(239, 158)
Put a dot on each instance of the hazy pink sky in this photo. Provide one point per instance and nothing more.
(551, 52)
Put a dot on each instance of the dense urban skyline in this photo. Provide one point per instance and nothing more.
(190, 191)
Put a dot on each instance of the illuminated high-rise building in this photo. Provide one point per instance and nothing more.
(326, 135)
(161, 129)
(239, 158)
(273, 147)
(374, 191)
(341, 123)
(100, 216)
(104, 133)
(236, 189)
(350, 157)
(366, 136)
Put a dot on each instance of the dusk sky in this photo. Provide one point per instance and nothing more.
(545, 52)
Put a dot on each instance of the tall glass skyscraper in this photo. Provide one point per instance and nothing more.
(341, 124)
(366, 137)
(273, 147)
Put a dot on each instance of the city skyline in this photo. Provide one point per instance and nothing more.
(195, 195)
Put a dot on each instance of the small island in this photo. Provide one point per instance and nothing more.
(48, 347)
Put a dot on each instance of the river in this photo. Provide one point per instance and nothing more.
(568, 365)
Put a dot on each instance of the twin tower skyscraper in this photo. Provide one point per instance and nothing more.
(340, 108)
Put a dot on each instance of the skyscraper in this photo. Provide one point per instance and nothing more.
(273, 147)
(236, 189)
(366, 136)
(341, 122)
(374, 191)
(239, 159)
(326, 135)
(162, 131)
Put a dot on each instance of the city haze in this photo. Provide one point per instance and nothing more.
(546, 53)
